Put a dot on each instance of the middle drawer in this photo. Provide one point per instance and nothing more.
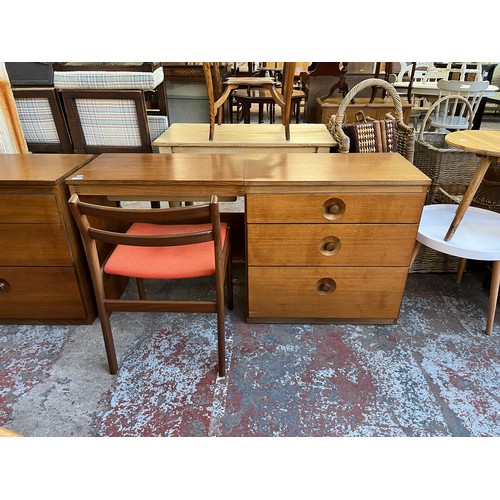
(330, 244)
(33, 245)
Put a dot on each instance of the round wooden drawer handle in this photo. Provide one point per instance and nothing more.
(333, 208)
(325, 286)
(4, 286)
(329, 245)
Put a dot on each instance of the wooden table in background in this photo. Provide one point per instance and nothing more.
(376, 109)
(245, 138)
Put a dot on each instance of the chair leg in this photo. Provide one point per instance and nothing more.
(141, 289)
(495, 283)
(229, 280)
(221, 334)
(210, 95)
(108, 342)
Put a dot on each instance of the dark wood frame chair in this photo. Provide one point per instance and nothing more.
(157, 98)
(65, 144)
(69, 98)
(91, 219)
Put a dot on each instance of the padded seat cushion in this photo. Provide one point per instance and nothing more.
(99, 80)
(185, 261)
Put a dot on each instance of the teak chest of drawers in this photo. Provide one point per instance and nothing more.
(43, 275)
(334, 246)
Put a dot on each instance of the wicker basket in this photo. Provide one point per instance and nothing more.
(447, 167)
(405, 136)
(488, 194)
(432, 261)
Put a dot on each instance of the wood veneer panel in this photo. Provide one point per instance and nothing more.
(291, 292)
(308, 244)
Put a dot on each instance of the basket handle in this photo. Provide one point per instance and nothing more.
(370, 82)
(437, 103)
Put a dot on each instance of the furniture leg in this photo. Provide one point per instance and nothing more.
(245, 111)
(460, 271)
(495, 283)
(478, 117)
(468, 196)
(414, 254)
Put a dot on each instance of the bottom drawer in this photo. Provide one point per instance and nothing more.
(39, 293)
(344, 293)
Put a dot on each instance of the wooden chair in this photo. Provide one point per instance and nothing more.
(165, 243)
(42, 120)
(147, 76)
(215, 102)
(103, 121)
(457, 104)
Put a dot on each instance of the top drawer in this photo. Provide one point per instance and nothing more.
(341, 208)
(34, 208)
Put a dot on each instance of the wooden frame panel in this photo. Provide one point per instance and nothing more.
(49, 93)
(69, 98)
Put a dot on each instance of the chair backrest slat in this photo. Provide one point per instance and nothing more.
(150, 240)
(196, 214)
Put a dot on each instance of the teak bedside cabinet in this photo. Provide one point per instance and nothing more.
(43, 276)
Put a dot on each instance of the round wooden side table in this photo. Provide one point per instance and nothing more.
(485, 143)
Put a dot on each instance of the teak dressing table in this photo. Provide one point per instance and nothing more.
(329, 237)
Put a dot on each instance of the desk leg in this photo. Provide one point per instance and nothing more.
(468, 196)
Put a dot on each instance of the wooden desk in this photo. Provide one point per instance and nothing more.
(245, 138)
(43, 275)
(329, 237)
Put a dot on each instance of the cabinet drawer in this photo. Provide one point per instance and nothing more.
(330, 244)
(329, 293)
(37, 208)
(39, 293)
(33, 245)
(339, 208)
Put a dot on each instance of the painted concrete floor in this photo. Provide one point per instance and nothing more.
(435, 373)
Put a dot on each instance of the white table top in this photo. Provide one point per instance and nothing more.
(477, 236)
(431, 88)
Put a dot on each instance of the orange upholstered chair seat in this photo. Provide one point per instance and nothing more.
(185, 261)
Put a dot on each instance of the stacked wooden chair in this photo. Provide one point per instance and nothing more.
(218, 92)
